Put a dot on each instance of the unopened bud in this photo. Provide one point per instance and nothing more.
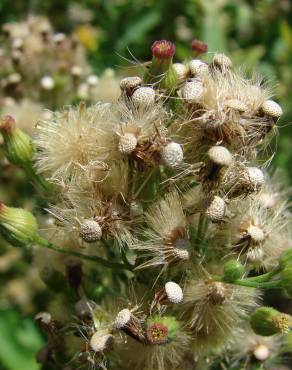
(90, 231)
(143, 97)
(267, 321)
(233, 270)
(172, 155)
(199, 47)
(17, 144)
(18, 226)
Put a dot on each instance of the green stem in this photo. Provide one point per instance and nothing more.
(37, 178)
(250, 284)
(144, 183)
(264, 277)
(113, 265)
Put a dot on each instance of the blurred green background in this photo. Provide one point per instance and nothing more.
(255, 34)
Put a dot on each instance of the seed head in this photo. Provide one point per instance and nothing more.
(127, 143)
(272, 109)
(261, 352)
(172, 155)
(192, 91)
(236, 104)
(163, 49)
(76, 71)
(101, 341)
(256, 233)
(221, 61)
(181, 254)
(215, 208)
(198, 68)
(180, 70)
(92, 80)
(256, 177)
(143, 97)
(220, 156)
(122, 318)
(47, 83)
(43, 317)
(130, 83)
(90, 231)
(174, 292)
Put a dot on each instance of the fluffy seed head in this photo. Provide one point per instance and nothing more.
(181, 254)
(236, 104)
(198, 68)
(130, 83)
(174, 292)
(180, 70)
(47, 83)
(215, 208)
(272, 109)
(261, 352)
(122, 318)
(256, 177)
(101, 341)
(143, 97)
(192, 91)
(163, 49)
(172, 155)
(222, 61)
(256, 233)
(127, 143)
(220, 155)
(90, 231)
(255, 254)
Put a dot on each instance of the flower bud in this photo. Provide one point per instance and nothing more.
(161, 329)
(199, 47)
(192, 91)
(233, 270)
(101, 341)
(143, 97)
(272, 109)
(90, 231)
(267, 321)
(174, 292)
(18, 226)
(161, 71)
(172, 155)
(17, 144)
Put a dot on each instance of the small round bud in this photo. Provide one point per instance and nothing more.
(233, 270)
(90, 231)
(92, 80)
(174, 292)
(130, 83)
(199, 47)
(255, 177)
(127, 143)
(101, 341)
(220, 156)
(192, 91)
(180, 70)
(221, 61)
(198, 68)
(256, 233)
(18, 226)
(236, 104)
(267, 321)
(47, 83)
(143, 97)
(172, 155)
(163, 49)
(122, 318)
(272, 109)
(261, 352)
(215, 208)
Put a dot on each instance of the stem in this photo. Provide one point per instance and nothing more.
(29, 170)
(202, 227)
(143, 184)
(114, 265)
(265, 277)
(254, 284)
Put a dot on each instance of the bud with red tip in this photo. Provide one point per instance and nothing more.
(199, 47)
(161, 72)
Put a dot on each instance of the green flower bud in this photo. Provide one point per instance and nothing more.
(286, 279)
(18, 226)
(267, 321)
(17, 144)
(161, 329)
(285, 258)
(233, 270)
(161, 71)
